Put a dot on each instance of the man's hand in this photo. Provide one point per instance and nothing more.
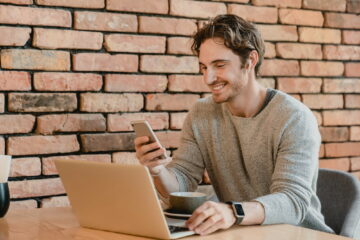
(210, 217)
(149, 154)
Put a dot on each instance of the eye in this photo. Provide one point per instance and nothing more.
(202, 68)
(220, 65)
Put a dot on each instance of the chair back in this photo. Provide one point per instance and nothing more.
(339, 194)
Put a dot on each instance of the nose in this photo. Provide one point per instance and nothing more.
(209, 76)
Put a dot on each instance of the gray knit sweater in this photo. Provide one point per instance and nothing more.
(271, 158)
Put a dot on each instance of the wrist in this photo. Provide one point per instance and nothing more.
(238, 211)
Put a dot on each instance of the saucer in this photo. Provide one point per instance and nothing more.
(172, 214)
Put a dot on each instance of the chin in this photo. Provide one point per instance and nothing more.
(218, 99)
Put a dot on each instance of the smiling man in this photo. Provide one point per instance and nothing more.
(259, 146)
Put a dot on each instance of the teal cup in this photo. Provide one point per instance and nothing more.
(186, 202)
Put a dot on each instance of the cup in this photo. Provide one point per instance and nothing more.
(186, 202)
(5, 163)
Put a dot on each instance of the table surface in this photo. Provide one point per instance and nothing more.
(61, 224)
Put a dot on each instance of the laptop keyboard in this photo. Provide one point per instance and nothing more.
(175, 229)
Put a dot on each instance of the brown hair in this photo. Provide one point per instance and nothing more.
(239, 35)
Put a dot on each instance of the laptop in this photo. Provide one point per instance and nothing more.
(117, 198)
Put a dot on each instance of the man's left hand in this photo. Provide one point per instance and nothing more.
(210, 217)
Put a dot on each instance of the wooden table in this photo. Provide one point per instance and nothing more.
(61, 224)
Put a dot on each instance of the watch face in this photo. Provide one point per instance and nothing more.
(239, 209)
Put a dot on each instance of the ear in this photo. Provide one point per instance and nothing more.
(252, 60)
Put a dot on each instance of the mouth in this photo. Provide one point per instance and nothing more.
(216, 88)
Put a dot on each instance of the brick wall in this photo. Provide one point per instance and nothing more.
(74, 73)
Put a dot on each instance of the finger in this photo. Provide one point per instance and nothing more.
(148, 147)
(199, 210)
(140, 141)
(210, 222)
(151, 156)
(200, 218)
(211, 229)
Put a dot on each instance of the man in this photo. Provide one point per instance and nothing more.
(259, 146)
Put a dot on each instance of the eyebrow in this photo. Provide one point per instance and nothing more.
(216, 61)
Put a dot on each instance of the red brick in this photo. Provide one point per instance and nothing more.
(42, 102)
(263, 14)
(135, 83)
(319, 35)
(14, 36)
(22, 167)
(107, 142)
(267, 82)
(270, 50)
(278, 3)
(237, 1)
(278, 67)
(102, 21)
(57, 81)
(177, 120)
(52, 202)
(105, 62)
(322, 151)
(143, 6)
(340, 164)
(31, 145)
(34, 16)
(301, 17)
(73, 3)
(350, 37)
(169, 64)
(299, 85)
(342, 149)
(20, 2)
(16, 81)
(340, 20)
(35, 59)
(198, 9)
(353, 6)
(278, 32)
(2, 103)
(176, 26)
(322, 101)
(134, 43)
(352, 69)
(102, 102)
(122, 122)
(36, 188)
(342, 85)
(355, 163)
(341, 117)
(2, 146)
(179, 45)
(176, 102)
(49, 167)
(56, 38)
(334, 134)
(318, 117)
(24, 204)
(49, 124)
(16, 123)
(169, 139)
(352, 101)
(125, 158)
(355, 134)
(298, 50)
(187, 83)
(331, 5)
(341, 52)
(317, 68)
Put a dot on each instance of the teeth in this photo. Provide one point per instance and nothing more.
(218, 86)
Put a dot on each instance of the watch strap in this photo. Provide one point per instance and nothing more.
(239, 215)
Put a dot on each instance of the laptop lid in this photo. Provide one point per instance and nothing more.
(113, 197)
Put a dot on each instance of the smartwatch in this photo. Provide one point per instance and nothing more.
(238, 211)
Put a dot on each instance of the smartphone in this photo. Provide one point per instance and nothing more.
(143, 128)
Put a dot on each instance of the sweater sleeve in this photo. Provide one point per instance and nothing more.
(187, 164)
(295, 167)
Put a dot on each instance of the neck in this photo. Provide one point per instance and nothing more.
(249, 102)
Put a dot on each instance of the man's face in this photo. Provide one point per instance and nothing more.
(222, 70)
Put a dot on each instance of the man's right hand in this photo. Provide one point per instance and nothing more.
(149, 154)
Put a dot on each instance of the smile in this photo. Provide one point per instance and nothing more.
(218, 86)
